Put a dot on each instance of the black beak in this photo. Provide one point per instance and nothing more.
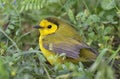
(37, 27)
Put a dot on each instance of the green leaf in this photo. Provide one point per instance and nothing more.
(93, 19)
(108, 4)
(11, 27)
(3, 72)
(8, 31)
(71, 16)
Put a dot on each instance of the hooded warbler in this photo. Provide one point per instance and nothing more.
(60, 42)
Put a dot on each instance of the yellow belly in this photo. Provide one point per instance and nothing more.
(50, 56)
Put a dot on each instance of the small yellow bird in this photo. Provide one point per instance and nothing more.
(60, 42)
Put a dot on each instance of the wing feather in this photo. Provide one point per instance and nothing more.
(71, 48)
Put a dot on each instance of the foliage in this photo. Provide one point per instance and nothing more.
(97, 21)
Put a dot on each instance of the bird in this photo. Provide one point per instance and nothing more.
(60, 42)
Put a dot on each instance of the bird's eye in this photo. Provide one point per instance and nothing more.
(49, 26)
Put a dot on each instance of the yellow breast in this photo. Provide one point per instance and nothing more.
(50, 56)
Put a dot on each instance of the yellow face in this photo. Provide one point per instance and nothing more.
(47, 27)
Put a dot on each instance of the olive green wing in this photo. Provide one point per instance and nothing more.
(70, 47)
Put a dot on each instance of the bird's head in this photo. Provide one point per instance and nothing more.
(47, 26)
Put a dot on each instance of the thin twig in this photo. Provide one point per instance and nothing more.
(10, 39)
(47, 72)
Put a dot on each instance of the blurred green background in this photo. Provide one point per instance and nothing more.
(97, 21)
